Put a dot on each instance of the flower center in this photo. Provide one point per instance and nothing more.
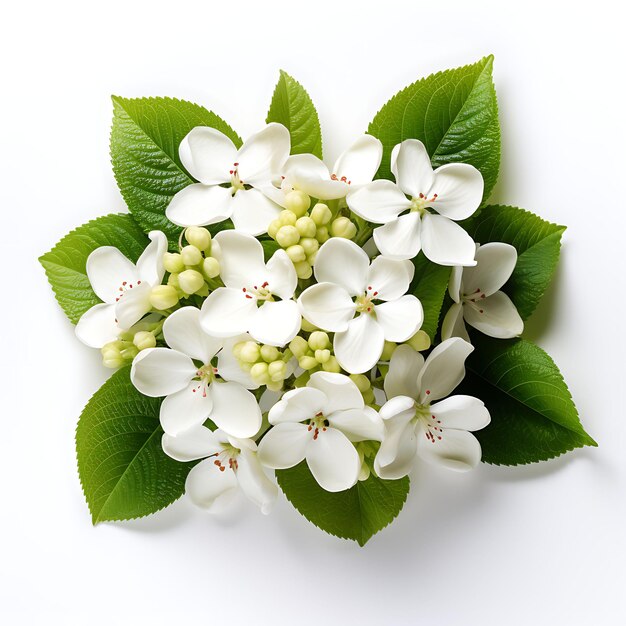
(235, 182)
(260, 294)
(343, 179)
(365, 303)
(318, 424)
(227, 458)
(430, 424)
(474, 299)
(418, 203)
(124, 287)
(205, 375)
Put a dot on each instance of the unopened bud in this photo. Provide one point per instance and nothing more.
(307, 327)
(298, 346)
(191, 255)
(310, 245)
(296, 253)
(287, 236)
(250, 352)
(273, 228)
(173, 262)
(191, 281)
(298, 202)
(274, 386)
(277, 371)
(113, 362)
(332, 365)
(318, 340)
(322, 234)
(307, 362)
(144, 340)
(361, 381)
(343, 227)
(388, 349)
(198, 237)
(211, 267)
(322, 356)
(321, 214)
(287, 218)
(163, 297)
(306, 227)
(303, 269)
(419, 341)
(259, 373)
(269, 353)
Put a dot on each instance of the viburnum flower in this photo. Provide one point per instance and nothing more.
(354, 168)
(477, 296)
(229, 464)
(257, 296)
(123, 286)
(439, 432)
(194, 388)
(454, 190)
(231, 181)
(363, 304)
(335, 415)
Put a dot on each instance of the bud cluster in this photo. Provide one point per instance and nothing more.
(130, 343)
(267, 365)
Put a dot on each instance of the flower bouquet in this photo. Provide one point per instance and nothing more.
(275, 321)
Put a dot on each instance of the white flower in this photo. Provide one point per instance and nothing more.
(436, 432)
(349, 286)
(123, 287)
(477, 299)
(248, 302)
(335, 415)
(354, 168)
(231, 181)
(454, 190)
(196, 391)
(229, 464)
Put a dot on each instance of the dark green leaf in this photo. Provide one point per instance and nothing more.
(65, 263)
(123, 470)
(292, 107)
(356, 514)
(454, 113)
(430, 284)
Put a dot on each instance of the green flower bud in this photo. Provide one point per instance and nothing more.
(307, 327)
(321, 234)
(361, 381)
(311, 258)
(250, 352)
(287, 236)
(306, 227)
(298, 346)
(112, 349)
(173, 262)
(211, 267)
(298, 202)
(113, 362)
(322, 356)
(296, 253)
(277, 371)
(307, 362)
(191, 281)
(274, 386)
(191, 256)
(198, 237)
(163, 297)
(368, 396)
(365, 472)
(269, 353)
(144, 340)
(129, 353)
(343, 227)
(419, 341)
(173, 281)
(321, 214)
(303, 269)
(259, 373)
(237, 350)
(332, 365)
(388, 349)
(318, 340)
(287, 218)
(273, 227)
(310, 245)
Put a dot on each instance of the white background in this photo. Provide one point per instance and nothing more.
(499, 546)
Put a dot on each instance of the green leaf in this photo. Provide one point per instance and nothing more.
(145, 138)
(123, 470)
(65, 263)
(454, 113)
(538, 244)
(430, 284)
(292, 106)
(356, 514)
(533, 417)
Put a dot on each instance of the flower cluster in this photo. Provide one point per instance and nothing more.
(284, 328)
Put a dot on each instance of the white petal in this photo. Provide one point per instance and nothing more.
(400, 238)
(333, 460)
(276, 323)
(459, 188)
(150, 263)
(133, 305)
(495, 316)
(263, 155)
(253, 211)
(397, 415)
(359, 424)
(160, 371)
(410, 164)
(455, 282)
(182, 332)
(359, 347)
(327, 306)
(342, 262)
(298, 405)
(98, 326)
(444, 242)
(396, 454)
(284, 445)
(228, 366)
(453, 324)
(253, 481)
(208, 155)
(206, 484)
(309, 174)
(461, 412)
(360, 162)
(398, 410)
(380, 201)
(241, 259)
(235, 410)
(227, 312)
(307, 164)
(200, 205)
(341, 392)
(443, 370)
(400, 319)
(195, 443)
(110, 272)
(457, 450)
(389, 277)
(495, 263)
(186, 408)
(404, 368)
(281, 275)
